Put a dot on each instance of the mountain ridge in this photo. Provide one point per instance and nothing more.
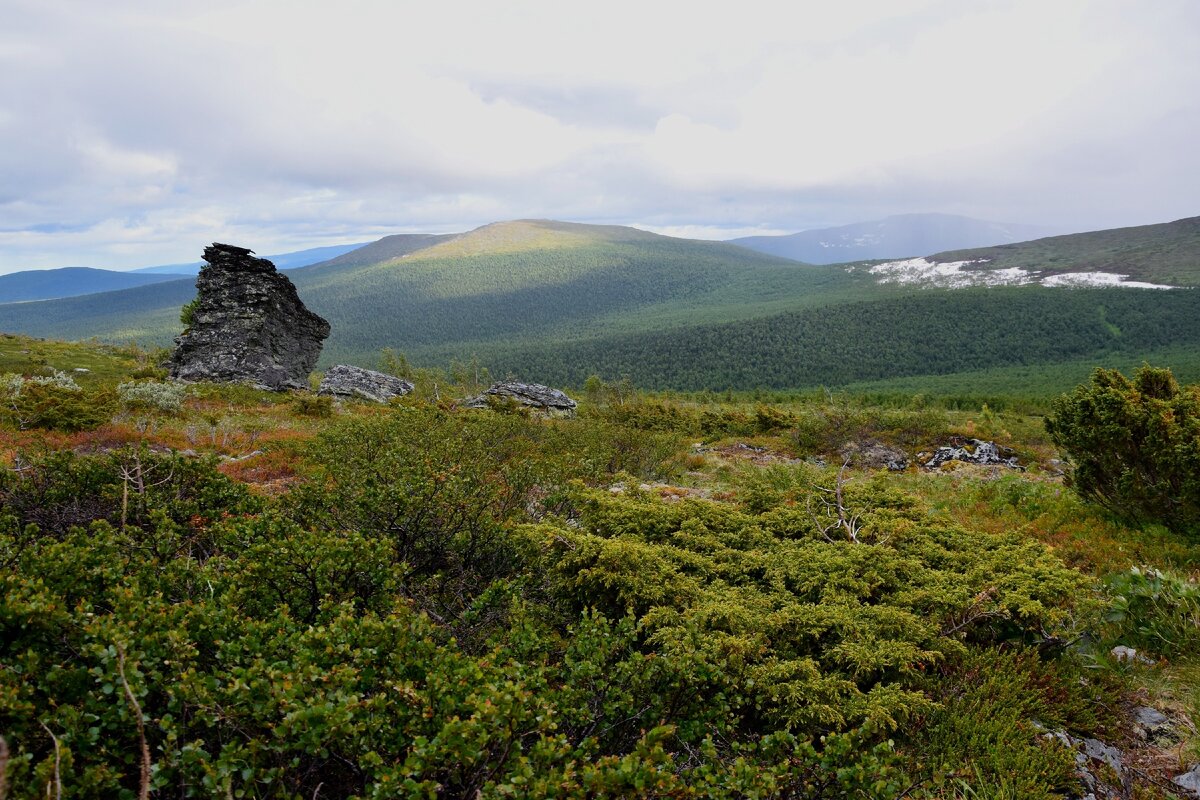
(891, 237)
(1167, 252)
(48, 284)
(554, 300)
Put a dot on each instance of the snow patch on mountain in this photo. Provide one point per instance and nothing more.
(952, 275)
(1082, 279)
(948, 274)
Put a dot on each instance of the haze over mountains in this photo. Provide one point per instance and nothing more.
(293, 260)
(559, 301)
(50, 284)
(891, 237)
(46, 284)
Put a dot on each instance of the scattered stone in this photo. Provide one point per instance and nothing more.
(872, 454)
(974, 451)
(235, 459)
(1128, 655)
(1099, 751)
(1150, 723)
(1189, 780)
(1095, 780)
(247, 326)
(344, 380)
(530, 395)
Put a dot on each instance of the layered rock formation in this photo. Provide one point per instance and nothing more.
(344, 380)
(531, 395)
(247, 325)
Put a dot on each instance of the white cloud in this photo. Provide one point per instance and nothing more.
(136, 130)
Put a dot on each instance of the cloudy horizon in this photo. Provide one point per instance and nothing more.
(133, 134)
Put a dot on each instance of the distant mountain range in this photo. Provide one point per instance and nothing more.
(1167, 253)
(294, 260)
(49, 284)
(46, 284)
(555, 302)
(891, 237)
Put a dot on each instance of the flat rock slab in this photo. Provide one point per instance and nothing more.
(530, 395)
(344, 380)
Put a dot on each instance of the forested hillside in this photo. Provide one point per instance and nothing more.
(929, 333)
(1165, 253)
(558, 302)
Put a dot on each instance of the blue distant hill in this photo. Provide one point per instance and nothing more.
(47, 284)
(900, 236)
(51, 284)
(300, 258)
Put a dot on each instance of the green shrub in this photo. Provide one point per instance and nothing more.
(989, 726)
(795, 624)
(313, 405)
(59, 490)
(53, 403)
(147, 395)
(1134, 445)
(1155, 610)
(243, 696)
(187, 314)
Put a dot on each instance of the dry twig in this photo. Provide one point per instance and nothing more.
(57, 782)
(144, 790)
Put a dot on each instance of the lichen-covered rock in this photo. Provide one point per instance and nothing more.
(530, 395)
(344, 380)
(871, 454)
(974, 451)
(1189, 781)
(247, 325)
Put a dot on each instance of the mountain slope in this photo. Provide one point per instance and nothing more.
(1165, 253)
(524, 279)
(556, 302)
(47, 284)
(924, 333)
(891, 237)
(384, 249)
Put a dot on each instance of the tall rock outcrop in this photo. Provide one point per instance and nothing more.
(247, 325)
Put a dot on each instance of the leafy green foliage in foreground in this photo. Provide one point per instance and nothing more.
(1135, 445)
(455, 605)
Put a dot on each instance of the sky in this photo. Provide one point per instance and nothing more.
(134, 132)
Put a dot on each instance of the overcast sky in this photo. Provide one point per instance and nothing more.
(133, 132)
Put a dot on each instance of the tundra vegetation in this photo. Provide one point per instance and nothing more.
(218, 591)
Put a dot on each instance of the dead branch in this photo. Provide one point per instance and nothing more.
(57, 782)
(144, 790)
(3, 768)
(833, 513)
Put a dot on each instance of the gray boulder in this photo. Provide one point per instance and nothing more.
(344, 380)
(531, 395)
(1189, 780)
(247, 326)
(974, 451)
(1150, 723)
(872, 454)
